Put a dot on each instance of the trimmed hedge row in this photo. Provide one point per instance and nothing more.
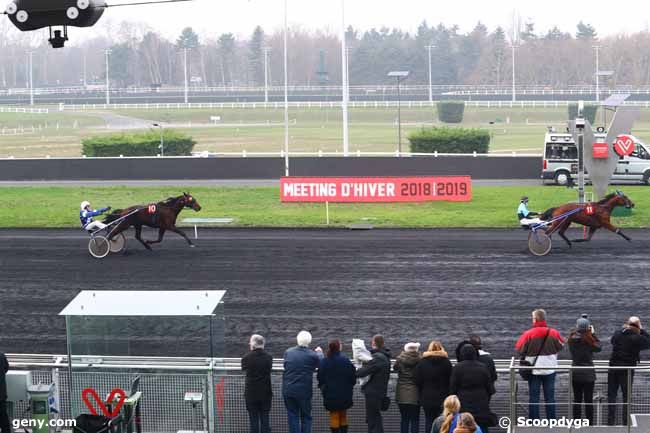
(451, 111)
(138, 144)
(450, 140)
(590, 112)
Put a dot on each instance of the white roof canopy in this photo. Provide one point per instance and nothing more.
(144, 303)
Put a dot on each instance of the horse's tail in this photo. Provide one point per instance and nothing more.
(548, 215)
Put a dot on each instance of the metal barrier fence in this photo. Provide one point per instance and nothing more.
(164, 382)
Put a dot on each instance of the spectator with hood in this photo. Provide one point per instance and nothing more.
(472, 383)
(483, 356)
(583, 343)
(406, 394)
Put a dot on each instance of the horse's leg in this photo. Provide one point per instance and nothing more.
(161, 234)
(138, 236)
(563, 228)
(590, 235)
(612, 228)
(181, 233)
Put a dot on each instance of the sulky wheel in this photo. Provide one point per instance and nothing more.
(99, 247)
(539, 243)
(118, 243)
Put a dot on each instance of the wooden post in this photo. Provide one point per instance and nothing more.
(327, 212)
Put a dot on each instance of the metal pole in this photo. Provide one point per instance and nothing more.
(597, 48)
(286, 91)
(514, 75)
(162, 141)
(430, 47)
(31, 78)
(85, 71)
(399, 119)
(345, 88)
(629, 399)
(266, 75)
(108, 86)
(570, 385)
(513, 395)
(185, 73)
(581, 154)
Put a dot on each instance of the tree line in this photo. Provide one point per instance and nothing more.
(142, 57)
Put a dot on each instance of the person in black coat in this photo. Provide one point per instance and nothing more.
(627, 343)
(257, 366)
(4, 416)
(376, 389)
(483, 356)
(472, 383)
(336, 380)
(432, 375)
(583, 343)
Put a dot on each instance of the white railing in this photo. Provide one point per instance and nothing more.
(24, 110)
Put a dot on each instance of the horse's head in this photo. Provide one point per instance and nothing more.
(189, 201)
(623, 200)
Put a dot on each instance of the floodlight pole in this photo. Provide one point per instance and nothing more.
(345, 84)
(185, 74)
(31, 77)
(580, 127)
(266, 75)
(85, 70)
(286, 91)
(429, 48)
(597, 48)
(399, 119)
(108, 87)
(514, 74)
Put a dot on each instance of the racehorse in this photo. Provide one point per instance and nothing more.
(593, 215)
(162, 216)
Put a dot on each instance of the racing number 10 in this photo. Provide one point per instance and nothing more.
(443, 189)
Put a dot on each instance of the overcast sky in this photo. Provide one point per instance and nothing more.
(240, 16)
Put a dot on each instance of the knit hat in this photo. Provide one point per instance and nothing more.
(583, 324)
(412, 347)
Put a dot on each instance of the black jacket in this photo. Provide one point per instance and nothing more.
(378, 368)
(336, 380)
(627, 344)
(4, 368)
(432, 376)
(471, 382)
(257, 365)
(483, 356)
(582, 355)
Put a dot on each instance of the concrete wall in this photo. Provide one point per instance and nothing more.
(265, 168)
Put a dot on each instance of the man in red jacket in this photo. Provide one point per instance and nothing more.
(540, 345)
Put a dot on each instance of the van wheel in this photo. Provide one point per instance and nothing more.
(646, 178)
(562, 178)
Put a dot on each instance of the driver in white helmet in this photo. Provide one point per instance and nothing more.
(86, 217)
(526, 217)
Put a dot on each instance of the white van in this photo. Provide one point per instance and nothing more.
(560, 160)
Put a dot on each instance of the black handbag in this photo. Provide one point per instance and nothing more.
(527, 373)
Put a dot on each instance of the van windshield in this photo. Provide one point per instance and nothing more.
(561, 151)
(640, 152)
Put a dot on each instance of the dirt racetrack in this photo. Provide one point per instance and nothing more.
(407, 284)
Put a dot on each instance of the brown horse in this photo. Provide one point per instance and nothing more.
(162, 216)
(599, 217)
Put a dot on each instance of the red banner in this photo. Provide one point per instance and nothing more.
(375, 189)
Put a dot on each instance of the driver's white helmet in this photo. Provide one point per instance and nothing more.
(84, 205)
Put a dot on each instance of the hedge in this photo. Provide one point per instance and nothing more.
(590, 112)
(451, 111)
(450, 140)
(138, 144)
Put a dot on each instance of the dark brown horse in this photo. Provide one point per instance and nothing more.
(161, 215)
(593, 215)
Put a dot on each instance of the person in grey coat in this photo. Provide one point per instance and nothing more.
(407, 392)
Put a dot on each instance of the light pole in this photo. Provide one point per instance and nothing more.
(162, 138)
(266, 74)
(514, 73)
(400, 76)
(429, 48)
(85, 70)
(31, 77)
(597, 48)
(286, 90)
(345, 83)
(108, 88)
(185, 74)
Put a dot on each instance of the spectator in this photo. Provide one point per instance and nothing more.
(4, 416)
(627, 343)
(336, 380)
(376, 389)
(483, 356)
(257, 366)
(300, 363)
(406, 394)
(472, 383)
(446, 423)
(432, 376)
(467, 424)
(540, 346)
(583, 343)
